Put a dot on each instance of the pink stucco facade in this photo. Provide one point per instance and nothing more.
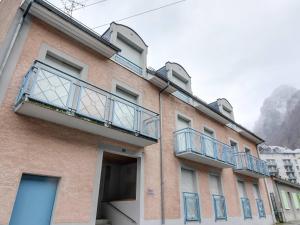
(29, 145)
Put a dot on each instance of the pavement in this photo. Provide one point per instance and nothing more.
(291, 223)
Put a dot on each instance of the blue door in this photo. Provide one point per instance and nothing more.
(34, 202)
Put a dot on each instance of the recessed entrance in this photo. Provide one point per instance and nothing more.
(118, 201)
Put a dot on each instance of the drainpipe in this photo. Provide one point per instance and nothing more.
(162, 194)
(15, 37)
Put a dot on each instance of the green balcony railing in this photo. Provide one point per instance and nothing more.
(62, 91)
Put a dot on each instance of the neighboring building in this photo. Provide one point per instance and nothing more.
(89, 135)
(282, 162)
(285, 199)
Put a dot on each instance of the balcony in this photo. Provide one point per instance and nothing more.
(260, 208)
(289, 169)
(287, 163)
(272, 163)
(50, 94)
(195, 146)
(191, 207)
(128, 64)
(291, 176)
(250, 165)
(246, 208)
(273, 171)
(219, 207)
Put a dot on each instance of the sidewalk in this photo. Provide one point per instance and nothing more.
(291, 223)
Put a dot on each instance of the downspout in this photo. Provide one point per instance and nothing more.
(162, 194)
(15, 37)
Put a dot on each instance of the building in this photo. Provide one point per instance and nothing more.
(89, 135)
(282, 162)
(285, 199)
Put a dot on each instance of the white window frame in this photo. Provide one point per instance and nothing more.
(126, 88)
(64, 57)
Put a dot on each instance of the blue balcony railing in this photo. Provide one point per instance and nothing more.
(191, 207)
(260, 208)
(246, 208)
(219, 207)
(189, 140)
(245, 161)
(128, 64)
(64, 92)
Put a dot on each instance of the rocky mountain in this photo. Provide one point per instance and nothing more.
(279, 121)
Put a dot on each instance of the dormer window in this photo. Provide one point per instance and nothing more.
(133, 54)
(180, 81)
(223, 106)
(129, 51)
(176, 74)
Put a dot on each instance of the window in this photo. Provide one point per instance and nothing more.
(227, 111)
(61, 64)
(259, 202)
(285, 199)
(182, 122)
(209, 145)
(295, 200)
(244, 200)
(128, 95)
(234, 145)
(129, 52)
(178, 80)
(256, 191)
(247, 150)
(124, 113)
(218, 198)
(190, 195)
(183, 138)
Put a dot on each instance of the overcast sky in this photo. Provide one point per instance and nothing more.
(237, 49)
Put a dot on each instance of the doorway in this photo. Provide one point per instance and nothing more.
(118, 200)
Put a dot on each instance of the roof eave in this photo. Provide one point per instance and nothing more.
(51, 15)
(205, 108)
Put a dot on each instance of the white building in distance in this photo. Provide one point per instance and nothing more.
(282, 162)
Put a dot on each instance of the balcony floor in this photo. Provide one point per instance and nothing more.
(37, 110)
(203, 159)
(249, 173)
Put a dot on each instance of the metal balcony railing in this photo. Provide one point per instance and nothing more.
(128, 64)
(219, 207)
(246, 208)
(287, 163)
(191, 207)
(189, 140)
(289, 169)
(245, 161)
(64, 92)
(271, 163)
(273, 169)
(291, 176)
(260, 208)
